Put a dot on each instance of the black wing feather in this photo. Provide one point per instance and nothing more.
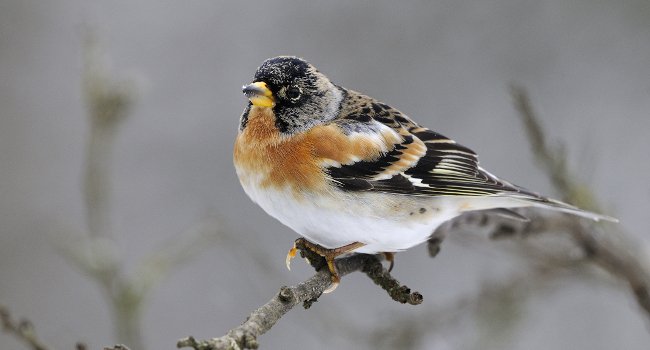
(447, 169)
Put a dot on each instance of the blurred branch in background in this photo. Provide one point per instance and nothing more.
(96, 253)
(23, 330)
(108, 104)
(542, 255)
(607, 245)
(495, 309)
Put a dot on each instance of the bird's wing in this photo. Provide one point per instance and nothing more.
(412, 160)
(418, 161)
(401, 157)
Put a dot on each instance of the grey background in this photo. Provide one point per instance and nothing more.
(445, 63)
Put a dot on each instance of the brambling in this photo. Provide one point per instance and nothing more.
(352, 174)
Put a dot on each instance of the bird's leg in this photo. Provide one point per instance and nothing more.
(328, 254)
(390, 257)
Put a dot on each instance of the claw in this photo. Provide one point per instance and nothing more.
(328, 254)
(336, 280)
(332, 287)
(290, 255)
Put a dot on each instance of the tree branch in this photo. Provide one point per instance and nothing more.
(95, 251)
(117, 347)
(261, 320)
(553, 160)
(616, 251)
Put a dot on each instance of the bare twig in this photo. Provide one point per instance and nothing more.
(435, 241)
(373, 268)
(117, 347)
(261, 320)
(553, 161)
(616, 251)
(23, 330)
(95, 252)
(176, 252)
(621, 255)
(108, 103)
(497, 306)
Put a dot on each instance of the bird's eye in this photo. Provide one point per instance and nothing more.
(293, 93)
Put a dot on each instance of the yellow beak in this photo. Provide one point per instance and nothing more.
(259, 94)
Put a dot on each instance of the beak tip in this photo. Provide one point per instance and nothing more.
(259, 94)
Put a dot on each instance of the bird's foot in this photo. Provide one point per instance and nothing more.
(328, 254)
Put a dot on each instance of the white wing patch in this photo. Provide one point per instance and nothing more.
(415, 181)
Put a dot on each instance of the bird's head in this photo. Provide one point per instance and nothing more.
(298, 93)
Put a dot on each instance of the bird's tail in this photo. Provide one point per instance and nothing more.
(549, 203)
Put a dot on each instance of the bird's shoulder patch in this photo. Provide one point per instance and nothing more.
(348, 142)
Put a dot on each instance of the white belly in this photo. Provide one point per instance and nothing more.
(383, 222)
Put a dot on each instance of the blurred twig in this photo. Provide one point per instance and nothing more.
(23, 330)
(552, 160)
(96, 253)
(108, 104)
(609, 247)
(117, 347)
(496, 307)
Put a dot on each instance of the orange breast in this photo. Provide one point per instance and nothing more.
(263, 156)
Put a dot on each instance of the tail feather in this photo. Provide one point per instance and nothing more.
(549, 203)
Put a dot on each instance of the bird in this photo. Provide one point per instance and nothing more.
(351, 174)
